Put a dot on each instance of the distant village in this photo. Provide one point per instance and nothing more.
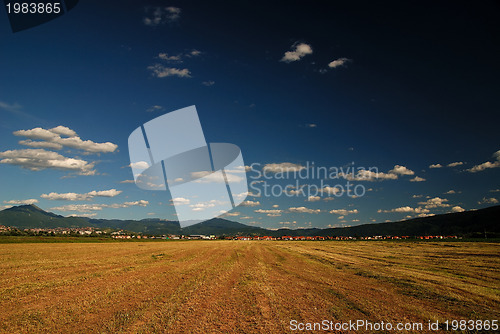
(122, 234)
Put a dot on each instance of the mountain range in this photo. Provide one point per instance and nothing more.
(468, 223)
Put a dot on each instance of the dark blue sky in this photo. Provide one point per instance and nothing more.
(415, 84)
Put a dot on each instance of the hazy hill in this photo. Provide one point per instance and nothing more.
(31, 216)
(463, 223)
(152, 226)
(220, 226)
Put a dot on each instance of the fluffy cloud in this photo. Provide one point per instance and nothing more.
(283, 167)
(303, 209)
(454, 164)
(41, 144)
(98, 207)
(487, 164)
(21, 202)
(406, 209)
(401, 170)
(368, 175)
(161, 71)
(213, 177)
(166, 57)
(52, 139)
(160, 15)
(40, 159)
(250, 203)
(457, 209)
(81, 197)
(344, 212)
(435, 202)
(490, 200)
(180, 201)
(436, 166)
(232, 214)
(270, 213)
(330, 190)
(417, 179)
(298, 51)
(274, 211)
(179, 58)
(339, 62)
(313, 198)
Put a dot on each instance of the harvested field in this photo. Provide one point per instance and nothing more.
(242, 286)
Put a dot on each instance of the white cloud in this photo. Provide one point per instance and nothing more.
(51, 138)
(401, 170)
(63, 131)
(40, 159)
(127, 181)
(490, 200)
(436, 166)
(457, 209)
(368, 175)
(270, 213)
(78, 207)
(344, 212)
(98, 207)
(298, 51)
(435, 202)
(454, 164)
(179, 58)
(41, 144)
(194, 53)
(213, 177)
(250, 203)
(88, 215)
(21, 202)
(417, 179)
(161, 71)
(180, 201)
(313, 198)
(276, 206)
(232, 214)
(339, 62)
(311, 125)
(486, 165)
(283, 167)
(160, 15)
(406, 209)
(81, 197)
(202, 206)
(170, 59)
(274, 211)
(208, 83)
(483, 166)
(140, 165)
(330, 190)
(303, 209)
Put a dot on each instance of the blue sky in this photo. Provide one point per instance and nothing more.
(399, 88)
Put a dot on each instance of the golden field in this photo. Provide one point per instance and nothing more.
(241, 286)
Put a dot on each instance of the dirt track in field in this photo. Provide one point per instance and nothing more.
(241, 286)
